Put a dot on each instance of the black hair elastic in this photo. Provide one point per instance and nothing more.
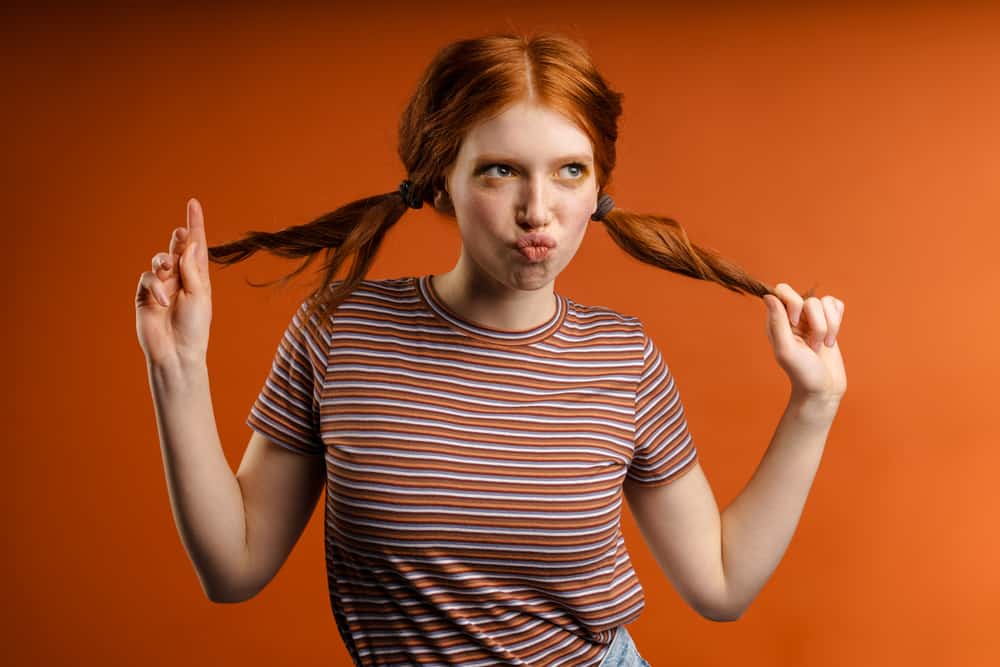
(408, 195)
(604, 204)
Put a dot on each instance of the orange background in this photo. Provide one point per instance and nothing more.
(843, 145)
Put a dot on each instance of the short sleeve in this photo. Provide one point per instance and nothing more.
(664, 449)
(287, 408)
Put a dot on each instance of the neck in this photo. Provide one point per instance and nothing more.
(485, 303)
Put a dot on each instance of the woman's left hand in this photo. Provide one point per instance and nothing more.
(803, 335)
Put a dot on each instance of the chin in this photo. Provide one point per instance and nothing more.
(534, 280)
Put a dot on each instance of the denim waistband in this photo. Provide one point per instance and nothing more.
(622, 652)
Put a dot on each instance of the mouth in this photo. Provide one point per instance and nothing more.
(536, 239)
(535, 246)
(534, 253)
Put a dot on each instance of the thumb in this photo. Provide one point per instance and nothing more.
(779, 329)
(190, 276)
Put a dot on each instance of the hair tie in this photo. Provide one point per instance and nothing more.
(604, 204)
(406, 191)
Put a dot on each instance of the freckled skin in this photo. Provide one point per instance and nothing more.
(530, 187)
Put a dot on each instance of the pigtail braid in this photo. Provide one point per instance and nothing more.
(354, 231)
(663, 243)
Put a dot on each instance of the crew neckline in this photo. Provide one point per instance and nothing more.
(432, 300)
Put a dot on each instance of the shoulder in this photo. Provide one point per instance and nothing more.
(602, 317)
(370, 290)
(370, 286)
(386, 293)
(369, 301)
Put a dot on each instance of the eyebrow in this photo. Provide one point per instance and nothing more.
(578, 157)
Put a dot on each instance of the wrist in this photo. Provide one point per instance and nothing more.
(814, 408)
(176, 373)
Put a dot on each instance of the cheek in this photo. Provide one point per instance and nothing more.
(482, 216)
(576, 233)
(480, 222)
(483, 210)
(580, 225)
(581, 217)
(483, 207)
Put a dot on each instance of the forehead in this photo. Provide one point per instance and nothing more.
(526, 130)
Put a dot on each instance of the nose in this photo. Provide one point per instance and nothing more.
(534, 209)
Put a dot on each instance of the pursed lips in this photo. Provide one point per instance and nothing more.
(535, 239)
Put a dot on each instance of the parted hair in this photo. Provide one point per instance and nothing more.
(467, 82)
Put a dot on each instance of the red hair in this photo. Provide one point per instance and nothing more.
(467, 82)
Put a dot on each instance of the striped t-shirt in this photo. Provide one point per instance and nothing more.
(474, 476)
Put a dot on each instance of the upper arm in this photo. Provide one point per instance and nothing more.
(280, 489)
(681, 525)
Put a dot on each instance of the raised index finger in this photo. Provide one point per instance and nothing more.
(196, 233)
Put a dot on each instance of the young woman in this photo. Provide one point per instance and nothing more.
(475, 432)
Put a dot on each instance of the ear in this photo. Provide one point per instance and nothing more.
(442, 202)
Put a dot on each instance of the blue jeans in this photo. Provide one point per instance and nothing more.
(622, 652)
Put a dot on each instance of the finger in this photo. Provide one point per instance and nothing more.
(196, 234)
(816, 320)
(832, 319)
(163, 262)
(150, 291)
(778, 328)
(191, 281)
(178, 241)
(793, 302)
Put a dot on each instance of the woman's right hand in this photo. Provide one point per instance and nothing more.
(173, 303)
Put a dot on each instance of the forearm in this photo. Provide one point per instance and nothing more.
(205, 497)
(758, 525)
